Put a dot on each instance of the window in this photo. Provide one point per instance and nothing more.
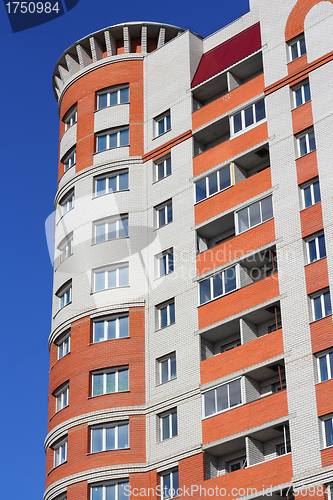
(60, 453)
(321, 306)
(167, 368)
(111, 183)
(311, 194)
(166, 314)
(170, 484)
(301, 94)
(168, 425)
(297, 48)
(162, 124)
(306, 143)
(112, 97)
(248, 116)
(253, 215)
(113, 140)
(281, 448)
(325, 366)
(113, 437)
(70, 118)
(109, 329)
(163, 214)
(70, 160)
(212, 184)
(65, 296)
(111, 278)
(111, 229)
(115, 491)
(110, 381)
(222, 398)
(66, 248)
(67, 203)
(218, 285)
(236, 464)
(61, 396)
(316, 248)
(64, 345)
(164, 263)
(328, 432)
(162, 168)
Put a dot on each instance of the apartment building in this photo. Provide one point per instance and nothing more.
(191, 351)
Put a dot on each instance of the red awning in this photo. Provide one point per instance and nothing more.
(228, 53)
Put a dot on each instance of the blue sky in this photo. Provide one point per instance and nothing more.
(29, 152)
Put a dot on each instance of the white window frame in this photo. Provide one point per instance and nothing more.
(158, 209)
(301, 88)
(58, 450)
(70, 160)
(297, 41)
(105, 373)
(168, 256)
(329, 491)
(165, 118)
(104, 427)
(107, 181)
(326, 355)
(164, 163)
(109, 133)
(117, 220)
(206, 179)
(322, 304)
(215, 398)
(166, 359)
(240, 461)
(66, 247)
(106, 322)
(316, 240)
(242, 113)
(327, 419)
(65, 296)
(116, 268)
(70, 118)
(62, 397)
(310, 185)
(172, 488)
(65, 342)
(305, 135)
(108, 92)
(67, 203)
(248, 209)
(211, 284)
(104, 486)
(165, 305)
(168, 417)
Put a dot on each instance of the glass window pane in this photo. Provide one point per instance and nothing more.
(204, 291)
(123, 436)
(217, 285)
(230, 282)
(200, 190)
(212, 184)
(164, 317)
(99, 281)
(243, 220)
(303, 146)
(312, 141)
(123, 181)
(323, 369)
(209, 403)
(235, 393)
(170, 261)
(112, 279)
(165, 427)
(174, 424)
(316, 192)
(97, 440)
(329, 432)
(307, 94)
(168, 166)
(169, 209)
(97, 493)
(98, 331)
(248, 116)
(123, 276)
(124, 137)
(255, 217)
(222, 398)
(100, 187)
(173, 367)
(98, 384)
(331, 362)
(260, 111)
(302, 46)
(327, 304)
(294, 51)
(266, 209)
(101, 143)
(124, 326)
(113, 183)
(172, 312)
(298, 97)
(160, 170)
(162, 265)
(123, 227)
(123, 380)
(111, 328)
(110, 492)
(168, 122)
(102, 101)
(317, 308)
(312, 250)
(161, 217)
(166, 484)
(237, 122)
(164, 371)
(60, 350)
(113, 140)
(123, 491)
(124, 95)
(160, 124)
(100, 233)
(112, 230)
(307, 197)
(110, 438)
(110, 383)
(113, 98)
(225, 180)
(175, 480)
